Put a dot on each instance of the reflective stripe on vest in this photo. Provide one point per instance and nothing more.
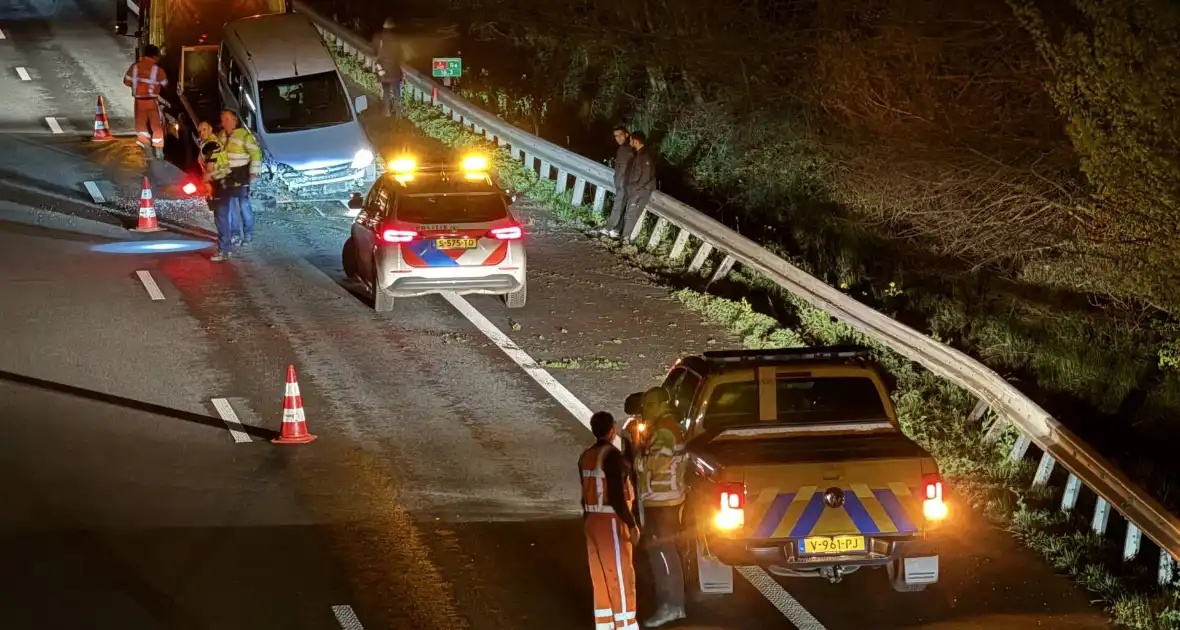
(594, 492)
(148, 87)
(662, 468)
(242, 149)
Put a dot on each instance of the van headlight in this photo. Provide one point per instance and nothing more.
(362, 159)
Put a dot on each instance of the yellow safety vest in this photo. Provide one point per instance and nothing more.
(242, 148)
(662, 465)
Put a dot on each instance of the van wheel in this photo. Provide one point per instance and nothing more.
(348, 259)
(382, 301)
(896, 573)
(517, 298)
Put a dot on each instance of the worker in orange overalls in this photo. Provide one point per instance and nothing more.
(146, 79)
(610, 527)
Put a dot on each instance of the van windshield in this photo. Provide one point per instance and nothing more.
(300, 103)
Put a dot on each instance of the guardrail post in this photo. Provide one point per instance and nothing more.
(1101, 516)
(680, 244)
(545, 168)
(562, 180)
(1167, 568)
(723, 269)
(638, 226)
(479, 131)
(1044, 469)
(1069, 499)
(579, 191)
(977, 412)
(599, 199)
(657, 233)
(1020, 448)
(698, 261)
(530, 162)
(518, 153)
(1132, 541)
(993, 432)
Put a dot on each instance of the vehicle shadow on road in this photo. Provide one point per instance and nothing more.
(128, 403)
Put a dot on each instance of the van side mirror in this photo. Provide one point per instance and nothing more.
(362, 103)
(633, 406)
(356, 202)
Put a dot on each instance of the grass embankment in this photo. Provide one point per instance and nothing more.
(932, 411)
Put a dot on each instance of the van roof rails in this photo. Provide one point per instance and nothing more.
(735, 358)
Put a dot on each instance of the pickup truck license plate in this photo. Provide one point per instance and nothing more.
(456, 243)
(823, 545)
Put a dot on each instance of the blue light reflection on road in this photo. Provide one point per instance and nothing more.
(151, 247)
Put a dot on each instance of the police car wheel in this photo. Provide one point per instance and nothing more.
(348, 259)
(382, 301)
(516, 299)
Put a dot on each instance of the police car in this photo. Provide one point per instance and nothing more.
(426, 229)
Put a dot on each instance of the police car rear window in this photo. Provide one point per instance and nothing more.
(800, 401)
(466, 208)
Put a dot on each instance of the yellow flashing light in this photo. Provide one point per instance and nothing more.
(403, 165)
(475, 163)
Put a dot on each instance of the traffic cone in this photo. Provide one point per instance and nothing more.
(294, 429)
(147, 210)
(102, 126)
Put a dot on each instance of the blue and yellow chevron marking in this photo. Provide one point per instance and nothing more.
(865, 511)
(431, 255)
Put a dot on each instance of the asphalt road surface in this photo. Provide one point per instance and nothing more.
(441, 492)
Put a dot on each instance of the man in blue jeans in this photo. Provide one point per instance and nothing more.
(388, 47)
(245, 164)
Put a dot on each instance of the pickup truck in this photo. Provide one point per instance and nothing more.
(797, 464)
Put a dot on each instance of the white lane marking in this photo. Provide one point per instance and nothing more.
(346, 618)
(53, 124)
(543, 378)
(756, 576)
(780, 598)
(95, 193)
(149, 283)
(230, 418)
(133, 6)
(23, 74)
(321, 212)
(2, 35)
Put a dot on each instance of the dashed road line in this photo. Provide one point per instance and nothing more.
(54, 126)
(756, 576)
(149, 283)
(23, 74)
(2, 34)
(95, 193)
(230, 418)
(346, 618)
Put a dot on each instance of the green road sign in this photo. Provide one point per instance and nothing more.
(447, 67)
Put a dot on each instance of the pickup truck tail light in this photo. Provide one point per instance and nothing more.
(933, 507)
(731, 500)
(507, 233)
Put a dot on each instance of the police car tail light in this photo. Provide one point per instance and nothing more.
(732, 506)
(507, 233)
(933, 507)
(398, 236)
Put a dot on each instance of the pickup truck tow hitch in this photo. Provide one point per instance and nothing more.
(833, 574)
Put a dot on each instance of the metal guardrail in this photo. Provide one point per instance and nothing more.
(1145, 517)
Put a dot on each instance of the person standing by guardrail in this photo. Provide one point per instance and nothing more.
(388, 47)
(623, 157)
(641, 182)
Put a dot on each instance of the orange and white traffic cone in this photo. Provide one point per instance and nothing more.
(102, 126)
(147, 210)
(294, 429)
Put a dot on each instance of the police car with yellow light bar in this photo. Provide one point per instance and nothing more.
(797, 464)
(429, 228)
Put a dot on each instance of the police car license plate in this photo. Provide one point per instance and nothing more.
(456, 243)
(822, 545)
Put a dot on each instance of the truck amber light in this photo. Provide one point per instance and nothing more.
(732, 512)
(933, 507)
(189, 188)
(398, 236)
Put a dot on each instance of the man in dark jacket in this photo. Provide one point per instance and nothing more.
(623, 157)
(388, 47)
(641, 182)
